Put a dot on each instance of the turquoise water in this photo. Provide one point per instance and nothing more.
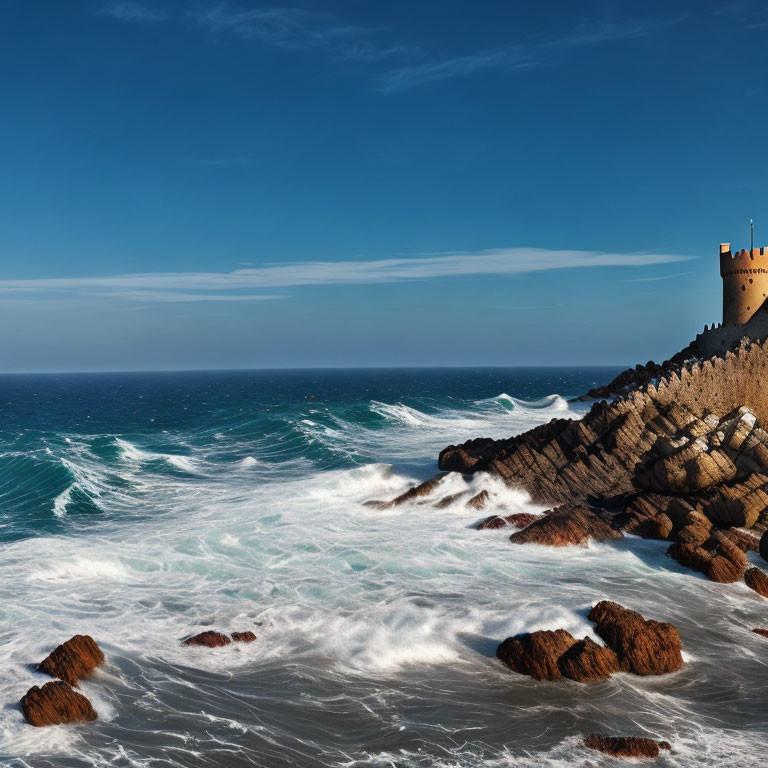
(143, 508)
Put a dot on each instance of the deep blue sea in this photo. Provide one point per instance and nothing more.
(142, 508)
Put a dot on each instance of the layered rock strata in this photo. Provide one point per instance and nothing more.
(682, 458)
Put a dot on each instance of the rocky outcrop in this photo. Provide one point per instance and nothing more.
(517, 520)
(760, 631)
(626, 746)
(536, 653)
(73, 660)
(757, 579)
(56, 703)
(243, 637)
(567, 525)
(632, 644)
(679, 455)
(718, 558)
(208, 639)
(586, 661)
(642, 646)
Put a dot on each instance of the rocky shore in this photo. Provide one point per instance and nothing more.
(681, 458)
(674, 451)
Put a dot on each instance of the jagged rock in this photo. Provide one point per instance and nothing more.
(647, 516)
(695, 531)
(518, 520)
(467, 458)
(243, 637)
(536, 653)
(760, 631)
(73, 660)
(586, 661)
(717, 558)
(565, 526)
(744, 540)
(764, 546)
(625, 746)
(446, 501)
(208, 639)
(758, 580)
(478, 501)
(643, 646)
(56, 703)
(739, 505)
(418, 491)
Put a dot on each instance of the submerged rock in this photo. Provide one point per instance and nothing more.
(517, 520)
(586, 661)
(73, 660)
(56, 703)
(625, 746)
(643, 646)
(536, 653)
(565, 526)
(479, 500)
(209, 639)
(757, 580)
(243, 637)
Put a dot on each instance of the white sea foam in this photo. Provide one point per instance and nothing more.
(386, 621)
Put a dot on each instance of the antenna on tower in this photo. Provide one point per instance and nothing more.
(751, 235)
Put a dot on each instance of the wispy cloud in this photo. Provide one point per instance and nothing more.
(524, 55)
(231, 286)
(656, 278)
(129, 11)
(406, 65)
(295, 29)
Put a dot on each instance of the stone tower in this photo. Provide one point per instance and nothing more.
(745, 282)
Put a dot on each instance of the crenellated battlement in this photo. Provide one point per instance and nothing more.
(745, 282)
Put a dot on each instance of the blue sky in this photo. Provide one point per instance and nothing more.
(341, 183)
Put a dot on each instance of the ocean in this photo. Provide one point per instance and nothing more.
(143, 508)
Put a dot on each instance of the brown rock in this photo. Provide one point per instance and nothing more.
(625, 746)
(744, 540)
(418, 491)
(536, 653)
(564, 526)
(73, 660)
(586, 661)
(758, 580)
(717, 558)
(518, 520)
(479, 500)
(243, 637)
(209, 639)
(56, 704)
(643, 646)
(759, 631)
(446, 501)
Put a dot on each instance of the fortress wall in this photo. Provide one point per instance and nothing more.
(719, 385)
